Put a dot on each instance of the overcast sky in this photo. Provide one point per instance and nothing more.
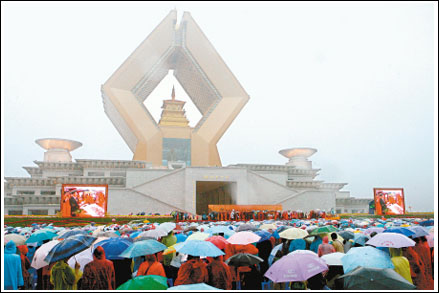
(356, 81)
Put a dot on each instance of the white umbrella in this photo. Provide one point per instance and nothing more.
(156, 233)
(168, 226)
(333, 259)
(83, 258)
(41, 253)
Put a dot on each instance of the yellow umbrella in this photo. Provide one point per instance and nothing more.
(198, 236)
(146, 221)
(293, 233)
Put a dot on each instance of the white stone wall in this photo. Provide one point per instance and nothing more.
(264, 191)
(311, 200)
(123, 202)
(276, 176)
(137, 177)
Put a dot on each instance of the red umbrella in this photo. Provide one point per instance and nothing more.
(218, 241)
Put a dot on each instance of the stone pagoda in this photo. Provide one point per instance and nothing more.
(173, 113)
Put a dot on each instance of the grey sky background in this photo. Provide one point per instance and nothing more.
(356, 81)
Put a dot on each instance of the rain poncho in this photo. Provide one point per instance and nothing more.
(424, 254)
(297, 244)
(151, 268)
(169, 240)
(219, 275)
(98, 274)
(338, 246)
(13, 276)
(325, 247)
(315, 244)
(192, 272)
(62, 276)
(417, 269)
(25, 265)
(401, 263)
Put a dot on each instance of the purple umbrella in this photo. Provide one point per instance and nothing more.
(395, 240)
(296, 267)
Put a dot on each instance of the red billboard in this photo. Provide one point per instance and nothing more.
(389, 201)
(81, 200)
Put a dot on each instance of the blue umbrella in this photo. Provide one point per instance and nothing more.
(135, 234)
(41, 235)
(418, 231)
(265, 235)
(199, 248)
(368, 257)
(220, 229)
(360, 239)
(68, 247)
(192, 287)
(427, 223)
(71, 233)
(114, 246)
(144, 247)
(180, 237)
(401, 230)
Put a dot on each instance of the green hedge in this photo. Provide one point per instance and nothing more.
(22, 221)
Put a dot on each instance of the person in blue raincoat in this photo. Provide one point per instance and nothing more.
(297, 244)
(13, 276)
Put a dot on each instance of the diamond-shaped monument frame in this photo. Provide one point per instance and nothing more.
(199, 69)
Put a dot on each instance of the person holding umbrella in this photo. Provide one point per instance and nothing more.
(193, 271)
(401, 263)
(151, 267)
(62, 276)
(98, 274)
(219, 274)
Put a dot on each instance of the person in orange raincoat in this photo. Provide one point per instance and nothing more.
(98, 274)
(193, 271)
(219, 274)
(423, 250)
(417, 269)
(151, 267)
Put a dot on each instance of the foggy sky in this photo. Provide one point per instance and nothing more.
(356, 81)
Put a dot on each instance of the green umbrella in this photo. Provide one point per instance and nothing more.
(375, 279)
(323, 230)
(148, 282)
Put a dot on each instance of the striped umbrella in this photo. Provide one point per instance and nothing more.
(69, 246)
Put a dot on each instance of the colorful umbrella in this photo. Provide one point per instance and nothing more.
(243, 259)
(41, 253)
(373, 229)
(113, 247)
(199, 248)
(83, 258)
(156, 233)
(297, 266)
(193, 287)
(246, 227)
(419, 231)
(198, 236)
(368, 256)
(218, 241)
(67, 233)
(149, 282)
(144, 247)
(180, 237)
(293, 233)
(245, 237)
(68, 247)
(17, 239)
(333, 259)
(220, 229)
(375, 279)
(401, 230)
(347, 235)
(265, 235)
(41, 235)
(268, 227)
(324, 229)
(395, 240)
(360, 239)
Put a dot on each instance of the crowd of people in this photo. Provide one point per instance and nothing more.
(413, 263)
